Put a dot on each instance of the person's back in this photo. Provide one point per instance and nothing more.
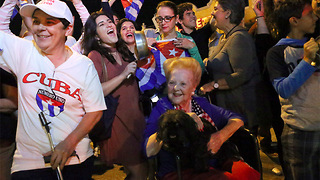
(293, 74)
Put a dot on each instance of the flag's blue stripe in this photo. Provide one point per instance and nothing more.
(39, 102)
(51, 110)
(135, 6)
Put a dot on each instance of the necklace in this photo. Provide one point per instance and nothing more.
(230, 31)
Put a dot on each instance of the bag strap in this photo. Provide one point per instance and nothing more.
(104, 70)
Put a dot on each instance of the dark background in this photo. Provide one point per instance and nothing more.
(146, 13)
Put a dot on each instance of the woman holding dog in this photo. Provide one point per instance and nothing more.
(101, 44)
(183, 75)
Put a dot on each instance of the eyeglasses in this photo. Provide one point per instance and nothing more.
(159, 19)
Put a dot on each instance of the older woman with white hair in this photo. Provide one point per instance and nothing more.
(183, 76)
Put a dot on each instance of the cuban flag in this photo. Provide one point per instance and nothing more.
(132, 8)
(49, 103)
(151, 75)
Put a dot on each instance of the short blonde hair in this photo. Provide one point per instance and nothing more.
(187, 63)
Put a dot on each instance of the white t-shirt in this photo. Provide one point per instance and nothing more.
(64, 93)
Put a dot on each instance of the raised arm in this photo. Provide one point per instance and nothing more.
(5, 14)
(82, 10)
(259, 11)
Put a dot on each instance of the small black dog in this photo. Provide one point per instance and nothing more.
(180, 135)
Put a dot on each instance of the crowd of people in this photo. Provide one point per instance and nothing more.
(233, 77)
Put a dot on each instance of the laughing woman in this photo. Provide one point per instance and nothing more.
(126, 29)
(101, 43)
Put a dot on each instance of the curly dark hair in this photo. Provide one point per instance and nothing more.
(90, 42)
(184, 7)
(283, 11)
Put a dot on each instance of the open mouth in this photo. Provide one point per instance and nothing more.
(129, 35)
(177, 94)
(110, 31)
(43, 36)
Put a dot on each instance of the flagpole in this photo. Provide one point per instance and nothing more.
(46, 128)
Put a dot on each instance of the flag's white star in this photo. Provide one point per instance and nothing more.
(50, 102)
(173, 52)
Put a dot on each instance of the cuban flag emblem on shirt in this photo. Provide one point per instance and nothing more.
(50, 103)
(151, 75)
(132, 8)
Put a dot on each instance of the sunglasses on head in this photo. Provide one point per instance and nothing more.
(159, 19)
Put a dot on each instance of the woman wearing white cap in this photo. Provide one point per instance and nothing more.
(62, 84)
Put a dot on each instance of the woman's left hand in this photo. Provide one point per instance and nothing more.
(215, 142)
(184, 43)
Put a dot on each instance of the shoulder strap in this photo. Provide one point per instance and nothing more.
(104, 70)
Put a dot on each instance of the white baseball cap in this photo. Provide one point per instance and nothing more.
(54, 8)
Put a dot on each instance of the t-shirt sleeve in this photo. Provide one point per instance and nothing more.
(13, 50)
(275, 63)
(93, 98)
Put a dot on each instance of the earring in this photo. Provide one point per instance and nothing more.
(226, 17)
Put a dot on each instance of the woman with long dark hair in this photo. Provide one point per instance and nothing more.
(101, 44)
(126, 29)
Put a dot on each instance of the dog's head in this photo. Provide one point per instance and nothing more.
(177, 130)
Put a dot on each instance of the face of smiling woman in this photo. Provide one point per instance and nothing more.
(106, 31)
(49, 32)
(126, 31)
(181, 87)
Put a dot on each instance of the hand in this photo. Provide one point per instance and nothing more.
(153, 146)
(61, 154)
(258, 7)
(215, 142)
(197, 120)
(151, 41)
(310, 49)
(207, 87)
(184, 43)
(130, 69)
